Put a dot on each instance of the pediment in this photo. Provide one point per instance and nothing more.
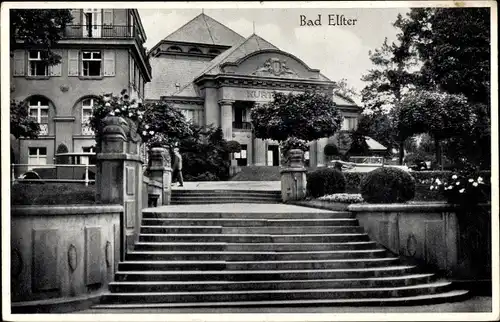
(271, 63)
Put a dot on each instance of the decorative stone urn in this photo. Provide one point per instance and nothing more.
(293, 177)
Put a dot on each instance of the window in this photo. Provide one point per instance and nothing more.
(175, 49)
(91, 63)
(37, 64)
(195, 50)
(87, 106)
(39, 111)
(88, 159)
(36, 156)
(92, 19)
(350, 123)
(188, 114)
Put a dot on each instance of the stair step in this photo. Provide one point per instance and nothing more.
(169, 286)
(222, 201)
(222, 255)
(226, 192)
(250, 247)
(264, 275)
(150, 213)
(146, 229)
(284, 294)
(454, 295)
(245, 222)
(257, 265)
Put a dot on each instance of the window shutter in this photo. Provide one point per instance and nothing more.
(73, 62)
(109, 63)
(107, 17)
(55, 70)
(77, 18)
(19, 62)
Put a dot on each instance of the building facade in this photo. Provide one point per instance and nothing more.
(102, 52)
(215, 76)
(208, 71)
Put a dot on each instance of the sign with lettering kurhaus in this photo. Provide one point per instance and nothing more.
(257, 95)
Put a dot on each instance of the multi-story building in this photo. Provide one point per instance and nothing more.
(102, 52)
(215, 76)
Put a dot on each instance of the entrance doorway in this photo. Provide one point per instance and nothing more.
(273, 155)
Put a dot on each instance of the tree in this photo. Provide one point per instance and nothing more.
(21, 124)
(343, 90)
(453, 46)
(387, 82)
(306, 116)
(40, 28)
(439, 114)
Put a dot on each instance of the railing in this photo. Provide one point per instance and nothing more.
(242, 125)
(109, 32)
(64, 173)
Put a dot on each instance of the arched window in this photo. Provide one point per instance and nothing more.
(39, 111)
(195, 50)
(175, 49)
(214, 52)
(87, 106)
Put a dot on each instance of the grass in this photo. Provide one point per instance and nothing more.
(52, 194)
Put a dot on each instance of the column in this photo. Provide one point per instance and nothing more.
(226, 118)
(259, 152)
(160, 170)
(320, 152)
(119, 176)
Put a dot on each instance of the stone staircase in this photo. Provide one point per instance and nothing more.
(260, 257)
(183, 197)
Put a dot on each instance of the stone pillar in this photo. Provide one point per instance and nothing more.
(320, 152)
(293, 177)
(160, 169)
(226, 118)
(119, 175)
(259, 152)
(313, 160)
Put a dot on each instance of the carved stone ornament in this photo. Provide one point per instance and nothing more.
(17, 264)
(64, 88)
(295, 158)
(108, 251)
(72, 258)
(275, 67)
(411, 245)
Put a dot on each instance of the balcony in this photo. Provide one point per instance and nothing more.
(107, 32)
(242, 125)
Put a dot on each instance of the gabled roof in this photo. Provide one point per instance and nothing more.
(203, 29)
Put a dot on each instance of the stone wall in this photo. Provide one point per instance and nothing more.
(62, 254)
(435, 235)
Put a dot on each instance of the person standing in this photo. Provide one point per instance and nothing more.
(177, 167)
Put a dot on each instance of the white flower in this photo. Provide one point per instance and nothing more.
(479, 179)
(458, 183)
(144, 132)
(117, 111)
(475, 184)
(432, 187)
(151, 132)
(454, 176)
(112, 113)
(129, 114)
(147, 126)
(471, 180)
(450, 187)
(461, 190)
(140, 117)
(107, 104)
(438, 181)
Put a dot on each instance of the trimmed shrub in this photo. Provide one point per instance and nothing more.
(331, 150)
(353, 181)
(325, 181)
(233, 146)
(388, 185)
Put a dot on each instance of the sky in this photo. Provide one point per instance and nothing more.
(337, 51)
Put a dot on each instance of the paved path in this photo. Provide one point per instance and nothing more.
(474, 304)
(230, 185)
(237, 208)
